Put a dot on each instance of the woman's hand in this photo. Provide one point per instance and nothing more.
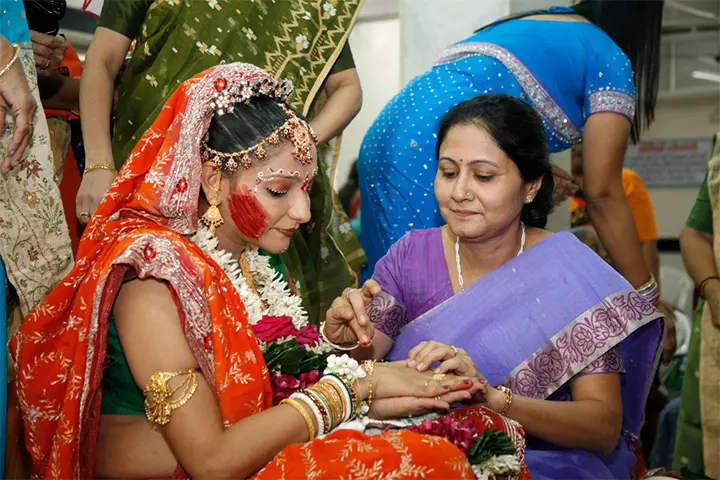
(15, 95)
(347, 321)
(92, 190)
(399, 391)
(452, 359)
(49, 51)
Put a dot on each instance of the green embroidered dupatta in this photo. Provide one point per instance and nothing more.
(300, 40)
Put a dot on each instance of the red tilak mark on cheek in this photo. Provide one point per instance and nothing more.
(247, 213)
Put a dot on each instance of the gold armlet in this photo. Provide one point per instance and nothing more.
(161, 398)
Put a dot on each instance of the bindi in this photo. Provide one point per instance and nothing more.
(248, 213)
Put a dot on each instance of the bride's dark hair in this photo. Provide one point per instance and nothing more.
(519, 132)
(246, 125)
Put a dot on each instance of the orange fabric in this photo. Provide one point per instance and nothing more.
(142, 226)
(640, 204)
(397, 454)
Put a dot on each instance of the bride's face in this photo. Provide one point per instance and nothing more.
(478, 187)
(269, 201)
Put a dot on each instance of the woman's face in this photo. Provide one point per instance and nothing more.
(270, 200)
(478, 188)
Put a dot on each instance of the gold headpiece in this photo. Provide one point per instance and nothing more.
(296, 130)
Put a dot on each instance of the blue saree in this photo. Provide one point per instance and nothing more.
(555, 312)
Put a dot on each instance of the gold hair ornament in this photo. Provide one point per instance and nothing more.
(295, 130)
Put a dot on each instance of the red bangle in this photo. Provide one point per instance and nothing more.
(701, 287)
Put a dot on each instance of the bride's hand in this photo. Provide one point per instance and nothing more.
(452, 359)
(394, 379)
(347, 321)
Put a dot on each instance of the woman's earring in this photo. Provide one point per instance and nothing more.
(212, 217)
(528, 199)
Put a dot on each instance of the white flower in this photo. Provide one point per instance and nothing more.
(345, 228)
(498, 465)
(249, 34)
(329, 9)
(307, 15)
(302, 42)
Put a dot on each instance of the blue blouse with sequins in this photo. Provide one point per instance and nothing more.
(566, 70)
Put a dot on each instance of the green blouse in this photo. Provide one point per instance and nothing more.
(701, 215)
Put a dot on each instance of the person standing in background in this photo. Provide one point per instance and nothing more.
(59, 69)
(639, 201)
(590, 70)
(304, 41)
(697, 444)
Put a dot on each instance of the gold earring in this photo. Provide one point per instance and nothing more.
(528, 199)
(212, 217)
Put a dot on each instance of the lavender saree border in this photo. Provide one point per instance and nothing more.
(580, 343)
(544, 103)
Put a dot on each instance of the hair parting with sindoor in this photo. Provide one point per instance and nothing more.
(518, 130)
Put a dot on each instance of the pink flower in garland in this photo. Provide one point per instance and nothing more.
(461, 433)
(283, 385)
(308, 336)
(308, 379)
(270, 328)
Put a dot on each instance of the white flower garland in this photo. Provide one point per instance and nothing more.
(274, 291)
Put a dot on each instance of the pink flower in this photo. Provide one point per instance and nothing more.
(310, 378)
(283, 385)
(308, 336)
(462, 433)
(269, 328)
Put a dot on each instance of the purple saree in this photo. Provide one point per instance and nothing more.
(555, 312)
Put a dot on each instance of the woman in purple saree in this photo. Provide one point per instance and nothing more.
(570, 344)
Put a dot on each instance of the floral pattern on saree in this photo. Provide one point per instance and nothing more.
(588, 338)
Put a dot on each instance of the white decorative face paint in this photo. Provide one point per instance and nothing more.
(281, 174)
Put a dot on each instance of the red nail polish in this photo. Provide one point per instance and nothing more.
(467, 383)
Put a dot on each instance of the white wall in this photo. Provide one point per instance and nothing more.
(376, 48)
(680, 118)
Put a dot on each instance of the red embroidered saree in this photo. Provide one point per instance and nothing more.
(142, 226)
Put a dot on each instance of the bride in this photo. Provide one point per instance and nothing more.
(162, 352)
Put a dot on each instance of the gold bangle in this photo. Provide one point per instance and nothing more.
(508, 399)
(335, 399)
(13, 59)
(160, 406)
(369, 366)
(100, 166)
(306, 416)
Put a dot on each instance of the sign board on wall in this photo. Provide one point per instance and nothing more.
(670, 163)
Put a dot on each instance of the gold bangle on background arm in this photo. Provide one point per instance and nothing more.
(369, 366)
(100, 166)
(13, 59)
(508, 399)
(160, 396)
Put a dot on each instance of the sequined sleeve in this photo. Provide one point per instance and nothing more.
(609, 85)
(610, 362)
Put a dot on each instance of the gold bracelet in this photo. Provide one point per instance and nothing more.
(160, 406)
(16, 54)
(508, 399)
(100, 166)
(369, 366)
(336, 403)
(306, 416)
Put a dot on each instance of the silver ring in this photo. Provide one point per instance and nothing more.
(455, 350)
(347, 294)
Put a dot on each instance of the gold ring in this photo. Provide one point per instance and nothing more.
(436, 398)
(438, 376)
